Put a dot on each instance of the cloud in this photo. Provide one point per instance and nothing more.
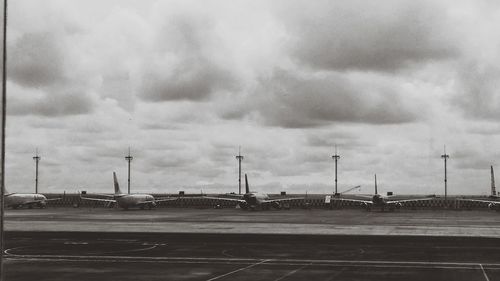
(185, 83)
(182, 65)
(36, 60)
(194, 79)
(292, 100)
(361, 35)
(56, 103)
(477, 90)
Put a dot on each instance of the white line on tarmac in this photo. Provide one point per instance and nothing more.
(374, 263)
(292, 272)
(484, 273)
(237, 270)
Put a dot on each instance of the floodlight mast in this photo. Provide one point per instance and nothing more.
(239, 157)
(37, 159)
(445, 157)
(336, 158)
(2, 154)
(129, 159)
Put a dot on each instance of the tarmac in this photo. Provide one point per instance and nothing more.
(232, 244)
(483, 223)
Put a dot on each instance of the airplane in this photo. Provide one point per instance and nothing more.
(492, 204)
(380, 201)
(127, 201)
(17, 200)
(254, 200)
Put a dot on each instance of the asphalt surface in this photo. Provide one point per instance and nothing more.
(484, 223)
(174, 256)
(207, 244)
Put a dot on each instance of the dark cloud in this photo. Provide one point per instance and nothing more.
(36, 60)
(195, 79)
(375, 36)
(53, 105)
(183, 66)
(289, 100)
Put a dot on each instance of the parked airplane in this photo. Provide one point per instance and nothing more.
(127, 201)
(253, 200)
(17, 200)
(381, 201)
(492, 204)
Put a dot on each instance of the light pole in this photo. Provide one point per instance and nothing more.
(129, 159)
(445, 157)
(37, 159)
(336, 158)
(239, 157)
(4, 115)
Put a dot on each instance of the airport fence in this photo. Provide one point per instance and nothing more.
(317, 201)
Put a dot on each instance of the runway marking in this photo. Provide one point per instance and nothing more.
(133, 250)
(243, 263)
(484, 273)
(253, 261)
(292, 272)
(223, 259)
(238, 270)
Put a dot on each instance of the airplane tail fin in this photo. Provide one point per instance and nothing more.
(117, 186)
(247, 188)
(376, 192)
(493, 189)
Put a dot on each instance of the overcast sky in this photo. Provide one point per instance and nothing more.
(184, 83)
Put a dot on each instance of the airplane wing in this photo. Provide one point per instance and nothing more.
(353, 200)
(164, 199)
(283, 199)
(409, 200)
(482, 201)
(233, 195)
(99, 199)
(157, 200)
(225, 199)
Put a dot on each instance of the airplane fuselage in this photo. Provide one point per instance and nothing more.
(255, 199)
(16, 200)
(126, 201)
(379, 200)
(383, 202)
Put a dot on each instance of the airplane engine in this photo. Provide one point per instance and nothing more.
(493, 206)
(243, 205)
(365, 206)
(395, 206)
(152, 205)
(42, 204)
(276, 205)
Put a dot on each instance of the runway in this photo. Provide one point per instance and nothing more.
(155, 256)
